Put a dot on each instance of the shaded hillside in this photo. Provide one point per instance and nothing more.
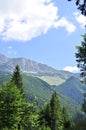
(40, 90)
(72, 88)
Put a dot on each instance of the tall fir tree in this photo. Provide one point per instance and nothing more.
(51, 116)
(17, 79)
(56, 113)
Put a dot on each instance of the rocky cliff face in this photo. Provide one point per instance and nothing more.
(8, 64)
(29, 66)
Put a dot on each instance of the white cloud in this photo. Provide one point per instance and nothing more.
(81, 19)
(63, 22)
(71, 69)
(26, 19)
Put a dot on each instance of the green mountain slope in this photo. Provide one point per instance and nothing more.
(39, 91)
(72, 88)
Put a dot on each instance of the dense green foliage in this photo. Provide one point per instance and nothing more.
(15, 112)
(10, 106)
(81, 57)
(18, 114)
(81, 5)
(54, 116)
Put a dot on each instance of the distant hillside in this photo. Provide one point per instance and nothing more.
(72, 88)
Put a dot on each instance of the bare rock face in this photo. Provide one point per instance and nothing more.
(26, 65)
(29, 66)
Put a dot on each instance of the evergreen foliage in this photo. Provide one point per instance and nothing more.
(10, 106)
(17, 79)
(53, 116)
(56, 114)
(81, 57)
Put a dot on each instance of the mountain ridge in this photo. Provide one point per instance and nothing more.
(30, 66)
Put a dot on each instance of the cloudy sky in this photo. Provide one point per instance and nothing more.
(46, 31)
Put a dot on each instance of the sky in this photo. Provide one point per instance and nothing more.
(46, 31)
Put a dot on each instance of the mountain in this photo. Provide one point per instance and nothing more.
(41, 81)
(3, 59)
(44, 72)
(26, 65)
(72, 88)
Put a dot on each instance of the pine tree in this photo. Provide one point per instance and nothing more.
(17, 79)
(56, 113)
(51, 115)
(81, 58)
(10, 106)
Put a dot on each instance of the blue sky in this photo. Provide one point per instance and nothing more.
(46, 31)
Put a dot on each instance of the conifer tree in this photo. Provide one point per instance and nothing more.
(10, 106)
(51, 116)
(81, 58)
(17, 79)
(56, 113)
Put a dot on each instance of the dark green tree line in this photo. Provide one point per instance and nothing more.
(54, 116)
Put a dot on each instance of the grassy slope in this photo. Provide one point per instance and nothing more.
(52, 80)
